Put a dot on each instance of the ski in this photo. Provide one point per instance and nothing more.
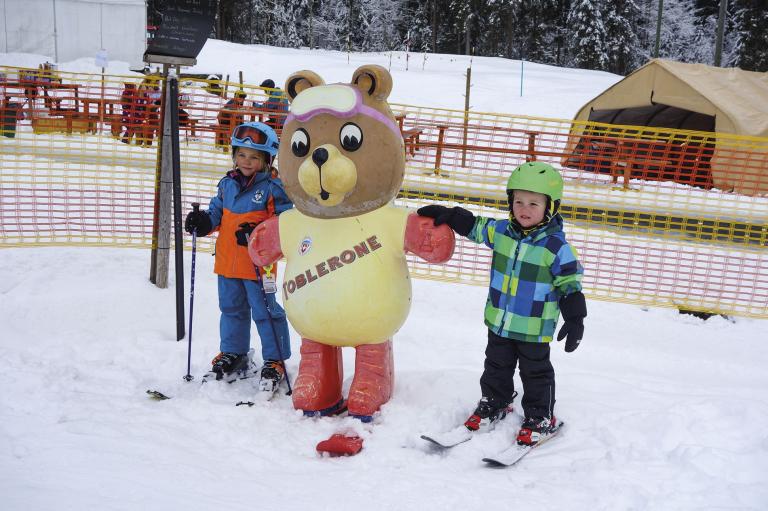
(266, 392)
(461, 434)
(449, 439)
(243, 374)
(514, 454)
(156, 394)
(231, 378)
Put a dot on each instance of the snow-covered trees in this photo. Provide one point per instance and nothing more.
(751, 27)
(615, 35)
(586, 35)
(621, 41)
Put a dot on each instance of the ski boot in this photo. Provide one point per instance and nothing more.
(225, 364)
(272, 373)
(486, 415)
(534, 429)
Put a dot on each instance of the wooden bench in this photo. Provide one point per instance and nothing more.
(412, 139)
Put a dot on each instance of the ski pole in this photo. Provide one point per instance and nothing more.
(189, 377)
(274, 330)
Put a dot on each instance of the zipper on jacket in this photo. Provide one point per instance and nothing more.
(508, 293)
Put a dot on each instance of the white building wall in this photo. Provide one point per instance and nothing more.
(66, 30)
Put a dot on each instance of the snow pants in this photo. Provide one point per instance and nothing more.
(242, 300)
(502, 355)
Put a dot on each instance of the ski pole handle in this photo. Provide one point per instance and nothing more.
(195, 209)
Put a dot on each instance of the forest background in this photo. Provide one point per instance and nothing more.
(608, 35)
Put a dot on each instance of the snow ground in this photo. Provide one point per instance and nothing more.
(663, 411)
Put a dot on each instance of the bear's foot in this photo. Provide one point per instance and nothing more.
(318, 384)
(336, 409)
(373, 382)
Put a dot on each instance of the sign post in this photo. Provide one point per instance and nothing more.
(184, 28)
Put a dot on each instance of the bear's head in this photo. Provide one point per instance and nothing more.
(341, 151)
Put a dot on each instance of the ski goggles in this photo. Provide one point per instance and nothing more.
(249, 134)
(338, 100)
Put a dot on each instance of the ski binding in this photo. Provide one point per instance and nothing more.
(512, 455)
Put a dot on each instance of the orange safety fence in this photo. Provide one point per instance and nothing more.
(660, 217)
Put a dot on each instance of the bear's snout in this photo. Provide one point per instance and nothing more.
(328, 176)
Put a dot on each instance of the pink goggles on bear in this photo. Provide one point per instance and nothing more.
(339, 100)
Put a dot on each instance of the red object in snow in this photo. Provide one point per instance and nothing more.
(341, 445)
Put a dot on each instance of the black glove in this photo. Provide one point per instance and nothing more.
(458, 219)
(199, 221)
(573, 308)
(243, 232)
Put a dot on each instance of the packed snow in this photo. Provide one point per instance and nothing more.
(663, 411)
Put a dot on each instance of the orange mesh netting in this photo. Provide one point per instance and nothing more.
(659, 216)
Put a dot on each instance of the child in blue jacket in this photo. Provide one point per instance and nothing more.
(247, 195)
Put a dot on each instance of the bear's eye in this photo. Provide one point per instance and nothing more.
(351, 137)
(300, 143)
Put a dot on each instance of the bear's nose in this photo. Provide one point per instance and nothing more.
(320, 156)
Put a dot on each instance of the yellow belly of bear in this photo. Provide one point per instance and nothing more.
(351, 285)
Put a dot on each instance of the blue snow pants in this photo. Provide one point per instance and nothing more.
(239, 301)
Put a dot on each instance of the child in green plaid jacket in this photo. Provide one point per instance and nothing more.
(535, 278)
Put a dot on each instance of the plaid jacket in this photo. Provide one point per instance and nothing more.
(529, 275)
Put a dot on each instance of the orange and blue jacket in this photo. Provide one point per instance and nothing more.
(241, 199)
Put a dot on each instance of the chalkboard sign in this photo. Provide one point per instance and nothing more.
(185, 26)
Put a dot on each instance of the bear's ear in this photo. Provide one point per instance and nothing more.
(301, 80)
(373, 80)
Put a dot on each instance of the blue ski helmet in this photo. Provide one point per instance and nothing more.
(256, 135)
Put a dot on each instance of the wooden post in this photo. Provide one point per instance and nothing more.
(466, 117)
(101, 105)
(531, 154)
(161, 242)
(439, 150)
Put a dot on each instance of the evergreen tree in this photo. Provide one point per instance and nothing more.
(621, 40)
(376, 30)
(560, 32)
(464, 19)
(443, 22)
(587, 35)
(678, 31)
(285, 27)
(331, 24)
(414, 23)
(751, 27)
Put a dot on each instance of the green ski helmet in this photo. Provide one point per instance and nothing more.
(537, 176)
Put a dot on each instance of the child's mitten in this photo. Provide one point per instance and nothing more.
(458, 219)
(573, 308)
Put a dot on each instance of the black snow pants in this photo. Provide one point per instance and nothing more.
(536, 372)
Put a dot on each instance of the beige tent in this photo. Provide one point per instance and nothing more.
(670, 94)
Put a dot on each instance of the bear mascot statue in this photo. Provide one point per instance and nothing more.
(342, 162)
